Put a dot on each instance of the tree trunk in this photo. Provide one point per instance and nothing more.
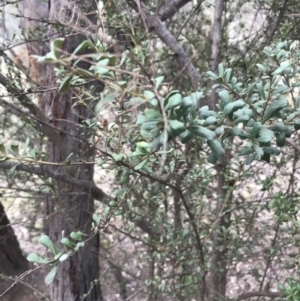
(12, 262)
(71, 208)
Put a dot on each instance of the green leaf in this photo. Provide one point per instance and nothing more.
(262, 68)
(156, 144)
(274, 108)
(76, 235)
(67, 160)
(219, 130)
(25, 145)
(158, 81)
(271, 150)
(255, 129)
(230, 107)
(14, 149)
(64, 257)
(123, 58)
(283, 66)
(250, 159)
(228, 73)
(210, 120)
(51, 275)
(243, 119)
(141, 150)
(258, 150)
(186, 102)
(67, 242)
(225, 97)
(280, 139)
(149, 94)
(216, 147)
(152, 115)
(202, 132)
(186, 136)
(57, 256)
(268, 51)
(212, 158)
(246, 151)
(113, 204)
(65, 84)
(212, 75)
(141, 165)
(84, 45)
(79, 245)
(100, 69)
(96, 219)
(148, 134)
(296, 125)
(265, 135)
(33, 257)
(177, 127)
(56, 47)
(172, 100)
(12, 170)
(118, 157)
(3, 159)
(2, 149)
(84, 73)
(250, 88)
(195, 97)
(46, 241)
(279, 127)
(221, 70)
(151, 125)
(261, 90)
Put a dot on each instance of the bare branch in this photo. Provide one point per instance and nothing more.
(88, 186)
(260, 294)
(169, 9)
(217, 34)
(273, 27)
(293, 144)
(165, 35)
(27, 103)
(155, 23)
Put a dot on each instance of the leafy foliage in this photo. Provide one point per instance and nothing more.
(175, 206)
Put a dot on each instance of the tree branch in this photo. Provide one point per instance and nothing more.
(88, 186)
(154, 22)
(293, 144)
(171, 8)
(27, 103)
(182, 58)
(216, 34)
(260, 294)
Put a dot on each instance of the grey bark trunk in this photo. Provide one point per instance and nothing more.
(12, 264)
(71, 208)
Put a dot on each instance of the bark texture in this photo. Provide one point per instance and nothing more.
(12, 262)
(72, 207)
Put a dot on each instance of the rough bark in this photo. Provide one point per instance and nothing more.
(12, 263)
(78, 276)
(72, 207)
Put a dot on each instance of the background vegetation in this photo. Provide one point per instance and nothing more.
(149, 150)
